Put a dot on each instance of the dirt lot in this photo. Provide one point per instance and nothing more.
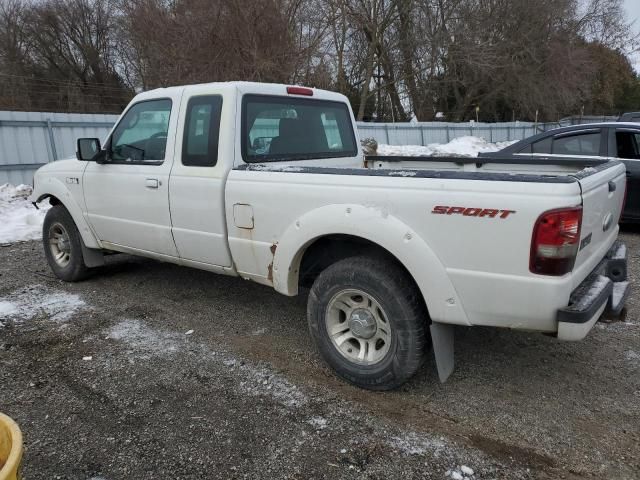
(108, 382)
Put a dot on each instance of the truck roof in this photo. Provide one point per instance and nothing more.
(257, 88)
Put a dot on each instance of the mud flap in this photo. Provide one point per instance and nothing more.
(442, 338)
(91, 256)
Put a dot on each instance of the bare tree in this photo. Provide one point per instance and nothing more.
(199, 40)
(393, 58)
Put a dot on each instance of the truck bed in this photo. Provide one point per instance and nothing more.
(537, 170)
(542, 167)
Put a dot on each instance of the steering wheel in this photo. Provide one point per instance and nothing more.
(150, 144)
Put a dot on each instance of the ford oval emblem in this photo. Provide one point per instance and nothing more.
(607, 222)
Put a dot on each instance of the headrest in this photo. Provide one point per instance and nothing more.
(288, 127)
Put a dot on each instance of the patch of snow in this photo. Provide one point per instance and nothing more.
(413, 444)
(319, 423)
(466, 470)
(291, 169)
(8, 309)
(35, 300)
(144, 339)
(462, 146)
(587, 171)
(633, 357)
(401, 173)
(10, 192)
(595, 289)
(461, 473)
(256, 381)
(19, 220)
(263, 381)
(618, 291)
(275, 167)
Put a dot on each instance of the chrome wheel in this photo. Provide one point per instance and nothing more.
(358, 327)
(59, 245)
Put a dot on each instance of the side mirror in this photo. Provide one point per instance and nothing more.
(88, 149)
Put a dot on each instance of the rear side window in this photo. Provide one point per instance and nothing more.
(283, 128)
(583, 144)
(542, 146)
(628, 144)
(201, 131)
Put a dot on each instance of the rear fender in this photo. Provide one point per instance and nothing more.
(376, 225)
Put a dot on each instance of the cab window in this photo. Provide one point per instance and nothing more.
(141, 135)
(201, 131)
(284, 128)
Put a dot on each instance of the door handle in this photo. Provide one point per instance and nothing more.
(151, 183)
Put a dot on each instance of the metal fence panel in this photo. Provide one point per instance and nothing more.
(425, 133)
(31, 139)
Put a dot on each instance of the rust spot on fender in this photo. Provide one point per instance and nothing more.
(270, 272)
(273, 249)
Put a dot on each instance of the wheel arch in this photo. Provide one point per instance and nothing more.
(59, 194)
(375, 229)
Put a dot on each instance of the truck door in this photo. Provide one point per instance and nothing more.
(196, 186)
(127, 197)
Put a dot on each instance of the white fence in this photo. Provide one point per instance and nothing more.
(28, 140)
(425, 133)
(31, 139)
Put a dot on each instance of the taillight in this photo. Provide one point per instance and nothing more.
(555, 242)
(300, 91)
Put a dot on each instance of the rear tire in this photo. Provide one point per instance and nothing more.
(63, 245)
(369, 321)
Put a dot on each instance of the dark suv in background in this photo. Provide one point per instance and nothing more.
(619, 140)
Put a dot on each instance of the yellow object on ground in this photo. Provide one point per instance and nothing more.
(10, 449)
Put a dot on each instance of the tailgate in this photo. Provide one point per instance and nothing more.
(603, 190)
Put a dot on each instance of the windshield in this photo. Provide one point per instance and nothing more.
(283, 128)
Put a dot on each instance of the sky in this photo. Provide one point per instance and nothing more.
(633, 11)
(633, 7)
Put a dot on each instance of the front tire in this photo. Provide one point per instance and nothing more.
(63, 245)
(368, 320)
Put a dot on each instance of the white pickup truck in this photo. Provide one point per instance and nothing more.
(269, 183)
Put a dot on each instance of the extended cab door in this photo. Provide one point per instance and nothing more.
(202, 161)
(127, 197)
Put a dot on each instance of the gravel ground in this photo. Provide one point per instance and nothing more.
(149, 370)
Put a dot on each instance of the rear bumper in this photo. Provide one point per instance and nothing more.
(606, 288)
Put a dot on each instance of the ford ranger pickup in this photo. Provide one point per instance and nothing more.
(268, 183)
